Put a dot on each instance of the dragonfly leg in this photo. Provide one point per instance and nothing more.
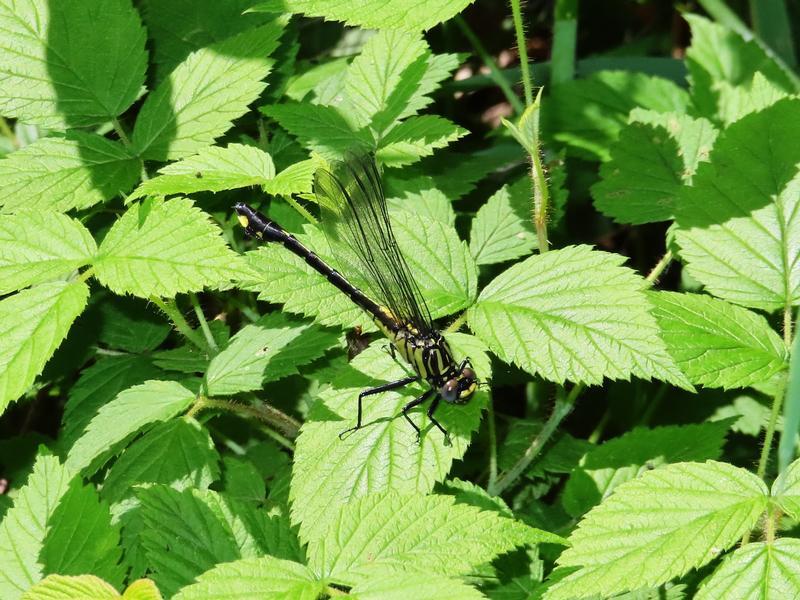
(431, 409)
(392, 385)
(412, 404)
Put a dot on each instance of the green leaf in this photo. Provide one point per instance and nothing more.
(621, 459)
(372, 14)
(69, 587)
(503, 227)
(125, 415)
(736, 101)
(758, 571)
(526, 131)
(587, 114)
(268, 350)
(439, 260)
(33, 323)
(50, 56)
(200, 98)
(80, 537)
(398, 532)
(212, 169)
(573, 314)
(242, 481)
(738, 225)
(429, 204)
(380, 73)
(65, 173)
(455, 175)
(466, 492)
(183, 536)
(660, 526)
(786, 490)
(717, 344)
(38, 246)
(130, 324)
(719, 55)
(384, 455)
(23, 529)
(164, 248)
(179, 27)
(98, 385)
(392, 79)
(178, 453)
(416, 138)
(750, 416)
(265, 577)
(695, 137)
(640, 181)
(297, 178)
(393, 586)
(322, 129)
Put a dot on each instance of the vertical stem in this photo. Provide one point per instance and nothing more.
(561, 409)
(661, 265)
(777, 403)
(494, 72)
(541, 200)
(201, 318)
(120, 131)
(522, 48)
(170, 309)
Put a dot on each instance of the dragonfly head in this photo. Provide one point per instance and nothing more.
(460, 388)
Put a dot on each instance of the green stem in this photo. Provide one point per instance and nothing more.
(492, 445)
(522, 48)
(541, 200)
(777, 404)
(201, 318)
(456, 325)
(561, 409)
(661, 265)
(169, 308)
(301, 209)
(289, 428)
(120, 131)
(494, 72)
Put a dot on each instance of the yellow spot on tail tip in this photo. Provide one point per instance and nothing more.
(243, 221)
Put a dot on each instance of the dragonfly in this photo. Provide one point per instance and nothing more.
(356, 221)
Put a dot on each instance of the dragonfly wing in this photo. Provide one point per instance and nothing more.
(357, 223)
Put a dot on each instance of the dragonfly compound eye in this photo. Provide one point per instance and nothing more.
(449, 391)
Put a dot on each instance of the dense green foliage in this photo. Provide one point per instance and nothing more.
(617, 251)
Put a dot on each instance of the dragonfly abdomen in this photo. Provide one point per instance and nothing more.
(259, 226)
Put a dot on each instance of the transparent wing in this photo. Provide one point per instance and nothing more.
(357, 223)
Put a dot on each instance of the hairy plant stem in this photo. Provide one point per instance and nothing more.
(541, 200)
(660, 267)
(201, 318)
(456, 325)
(120, 131)
(522, 48)
(777, 402)
(287, 427)
(562, 408)
(494, 72)
(169, 308)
